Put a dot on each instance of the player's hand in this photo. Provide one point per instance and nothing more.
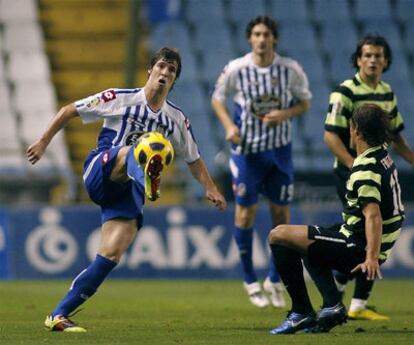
(233, 134)
(217, 199)
(36, 151)
(275, 118)
(370, 267)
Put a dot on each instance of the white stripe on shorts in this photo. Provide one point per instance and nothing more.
(90, 166)
(330, 239)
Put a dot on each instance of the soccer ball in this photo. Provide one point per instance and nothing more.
(153, 143)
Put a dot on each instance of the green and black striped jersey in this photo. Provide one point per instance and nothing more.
(374, 178)
(351, 94)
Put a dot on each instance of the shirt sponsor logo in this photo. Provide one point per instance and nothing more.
(187, 123)
(132, 137)
(105, 157)
(262, 105)
(93, 102)
(108, 95)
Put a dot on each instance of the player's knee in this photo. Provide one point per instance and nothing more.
(245, 217)
(278, 235)
(244, 220)
(280, 214)
(111, 254)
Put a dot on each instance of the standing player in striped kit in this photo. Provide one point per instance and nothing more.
(268, 91)
(372, 57)
(112, 176)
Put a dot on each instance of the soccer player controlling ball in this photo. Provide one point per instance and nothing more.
(114, 178)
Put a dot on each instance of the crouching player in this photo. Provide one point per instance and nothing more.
(112, 175)
(372, 222)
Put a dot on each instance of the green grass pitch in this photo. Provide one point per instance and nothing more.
(188, 312)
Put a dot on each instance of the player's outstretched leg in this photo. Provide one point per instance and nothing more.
(149, 176)
(82, 288)
(153, 170)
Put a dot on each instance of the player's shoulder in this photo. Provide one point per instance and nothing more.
(373, 160)
(346, 87)
(112, 94)
(173, 110)
(349, 83)
(239, 63)
(288, 62)
(176, 113)
(127, 91)
(386, 86)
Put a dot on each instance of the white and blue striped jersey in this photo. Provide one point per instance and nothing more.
(127, 115)
(257, 90)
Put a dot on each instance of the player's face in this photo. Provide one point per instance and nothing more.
(163, 74)
(262, 40)
(372, 62)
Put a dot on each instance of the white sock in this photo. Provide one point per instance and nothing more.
(357, 304)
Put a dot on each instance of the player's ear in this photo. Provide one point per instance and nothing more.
(358, 62)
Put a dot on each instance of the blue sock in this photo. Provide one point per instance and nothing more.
(85, 285)
(244, 240)
(273, 273)
(135, 172)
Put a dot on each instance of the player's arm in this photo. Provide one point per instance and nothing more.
(65, 114)
(337, 147)
(199, 171)
(373, 233)
(277, 116)
(401, 146)
(232, 131)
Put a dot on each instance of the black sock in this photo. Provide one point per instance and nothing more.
(325, 283)
(363, 286)
(342, 278)
(289, 265)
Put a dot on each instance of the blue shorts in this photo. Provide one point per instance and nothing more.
(269, 173)
(117, 200)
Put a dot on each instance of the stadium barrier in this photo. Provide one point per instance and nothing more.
(178, 242)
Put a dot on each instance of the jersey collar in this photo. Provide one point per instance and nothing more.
(151, 113)
(366, 153)
(360, 81)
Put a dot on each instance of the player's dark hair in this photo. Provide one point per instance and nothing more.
(373, 123)
(372, 40)
(167, 54)
(269, 22)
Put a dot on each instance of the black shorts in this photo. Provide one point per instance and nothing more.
(334, 250)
